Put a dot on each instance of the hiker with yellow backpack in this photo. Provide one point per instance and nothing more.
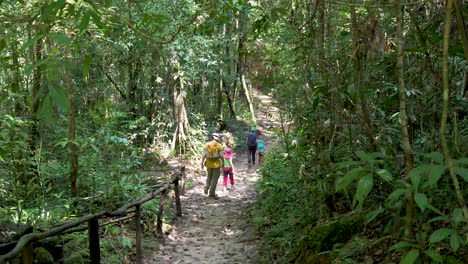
(213, 161)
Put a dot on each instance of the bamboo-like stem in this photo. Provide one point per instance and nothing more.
(445, 104)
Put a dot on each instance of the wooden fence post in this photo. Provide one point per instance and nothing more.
(93, 236)
(177, 198)
(182, 180)
(27, 254)
(138, 233)
(160, 214)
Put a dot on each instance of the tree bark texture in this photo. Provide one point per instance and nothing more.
(445, 106)
(226, 78)
(72, 134)
(240, 65)
(463, 31)
(182, 126)
(402, 90)
(409, 202)
(358, 56)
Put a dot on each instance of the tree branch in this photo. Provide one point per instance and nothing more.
(116, 86)
(143, 34)
(376, 5)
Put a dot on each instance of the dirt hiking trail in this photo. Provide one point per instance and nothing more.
(219, 231)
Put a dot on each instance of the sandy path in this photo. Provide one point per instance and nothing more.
(219, 231)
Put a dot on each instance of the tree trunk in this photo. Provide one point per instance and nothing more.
(36, 98)
(445, 105)
(240, 65)
(402, 91)
(464, 37)
(182, 127)
(359, 55)
(227, 91)
(72, 133)
(226, 82)
(409, 202)
(133, 74)
(16, 83)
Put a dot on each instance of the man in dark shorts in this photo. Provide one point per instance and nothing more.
(251, 142)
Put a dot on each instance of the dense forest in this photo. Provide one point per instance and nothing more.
(370, 159)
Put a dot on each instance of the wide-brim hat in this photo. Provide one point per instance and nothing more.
(228, 153)
(215, 136)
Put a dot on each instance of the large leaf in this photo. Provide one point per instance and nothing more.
(410, 257)
(60, 38)
(421, 200)
(345, 164)
(365, 157)
(457, 216)
(440, 234)
(84, 22)
(45, 107)
(455, 242)
(461, 161)
(415, 175)
(423, 203)
(385, 175)
(435, 156)
(364, 187)
(463, 172)
(344, 182)
(29, 68)
(442, 218)
(434, 255)
(60, 97)
(52, 9)
(435, 173)
(396, 194)
(373, 214)
(403, 245)
(30, 42)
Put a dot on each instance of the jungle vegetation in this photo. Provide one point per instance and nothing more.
(370, 164)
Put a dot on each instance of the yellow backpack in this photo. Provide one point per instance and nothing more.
(211, 151)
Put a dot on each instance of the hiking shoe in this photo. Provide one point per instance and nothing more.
(224, 189)
(205, 191)
(232, 188)
(215, 197)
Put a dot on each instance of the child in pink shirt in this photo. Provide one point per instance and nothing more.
(228, 169)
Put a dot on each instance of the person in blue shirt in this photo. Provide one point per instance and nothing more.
(260, 149)
(251, 142)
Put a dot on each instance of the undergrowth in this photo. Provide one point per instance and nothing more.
(286, 204)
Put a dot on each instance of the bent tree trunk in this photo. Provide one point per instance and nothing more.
(182, 127)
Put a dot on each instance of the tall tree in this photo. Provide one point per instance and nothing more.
(445, 106)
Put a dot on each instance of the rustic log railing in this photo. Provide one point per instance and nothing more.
(24, 243)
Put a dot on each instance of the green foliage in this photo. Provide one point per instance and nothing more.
(280, 218)
(361, 171)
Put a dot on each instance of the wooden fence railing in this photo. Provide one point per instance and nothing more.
(24, 243)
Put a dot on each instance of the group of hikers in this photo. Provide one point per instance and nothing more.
(217, 156)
